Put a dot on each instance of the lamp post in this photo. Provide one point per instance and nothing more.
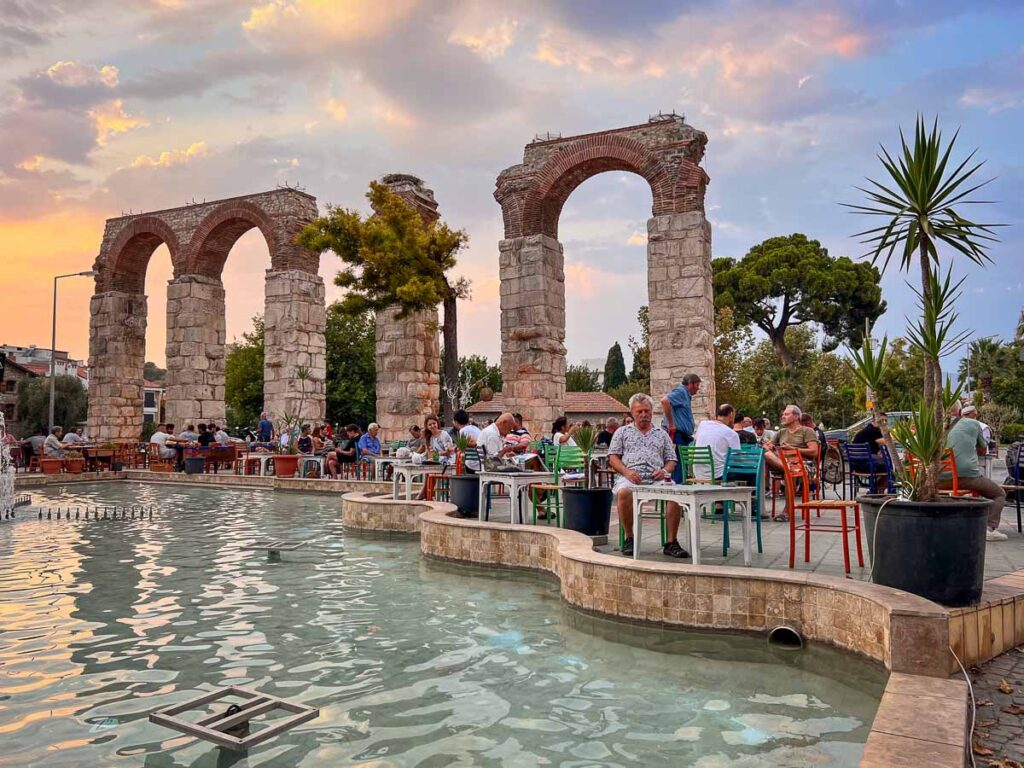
(53, 339)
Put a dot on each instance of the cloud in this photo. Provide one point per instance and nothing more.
(993, 100)
(174, 157)
(318, 25)
(336, 109)
(477, 30)
(73, 74)
(110, 119)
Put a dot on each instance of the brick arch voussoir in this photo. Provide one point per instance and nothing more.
(562, 173)
(234, 210)
(113, 266)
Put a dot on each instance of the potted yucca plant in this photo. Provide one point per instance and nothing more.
(921, 541)
(465, 488)
(586, 509)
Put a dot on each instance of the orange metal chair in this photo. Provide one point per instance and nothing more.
(795, 473)
(915, 465)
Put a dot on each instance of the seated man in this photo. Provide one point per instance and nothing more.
(719, 435)
(369, 445)
(967, 441)
(305, 441)
(871, 436)
(206, 437)
(160, 438)
(220, 435)
(415, 443)
(791, 434)
(744, 435)
(643, 453)
(74, 436)
(52, 447)
(604, 437)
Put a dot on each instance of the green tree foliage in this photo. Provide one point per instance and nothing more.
(579, 378)
(614, 368)
(733, 345)
(394, 258)
(901, 382)
(790, 281)
(70, 407)
(153, 372)
(627, 390)
(243, 378)
(641, 371)
(985, 359)
(351, 366)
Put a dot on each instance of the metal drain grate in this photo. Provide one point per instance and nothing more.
(229, 729)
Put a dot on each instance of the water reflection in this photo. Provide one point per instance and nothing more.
(411, 662)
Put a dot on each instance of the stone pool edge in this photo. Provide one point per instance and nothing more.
(923, 717)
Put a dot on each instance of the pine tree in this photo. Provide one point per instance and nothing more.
(614, 368)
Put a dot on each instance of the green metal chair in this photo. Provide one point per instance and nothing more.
(691, 456)
(742, 465)
(564, 457)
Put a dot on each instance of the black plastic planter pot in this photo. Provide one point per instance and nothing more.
(194, 465)
(465, 494)
(935, 549)
(587, 510)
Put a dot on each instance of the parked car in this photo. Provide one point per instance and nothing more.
(845, 435)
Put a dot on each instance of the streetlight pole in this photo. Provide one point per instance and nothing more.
(53, 339)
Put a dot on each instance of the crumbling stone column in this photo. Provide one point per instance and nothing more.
(117, 350)
(195, 350)
(682, 311)
(408, 380)
(532, 276)
(295, 318)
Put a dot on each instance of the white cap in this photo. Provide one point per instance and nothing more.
(969, 409)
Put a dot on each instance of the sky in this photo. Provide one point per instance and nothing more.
(109, 107)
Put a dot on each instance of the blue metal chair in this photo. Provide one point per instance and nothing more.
(741, 466)
(1017, 475)
(857, 456)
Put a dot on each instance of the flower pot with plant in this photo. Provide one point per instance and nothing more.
(586, 509)
(920, 540)
(74, 462)
(464, 487)
(286, 459)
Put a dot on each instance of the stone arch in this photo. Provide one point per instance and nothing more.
(667, 153)
(122, 264)
(200, 236)
(219, 231)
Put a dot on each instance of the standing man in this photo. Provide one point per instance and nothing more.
(641, 453)
(677, 406)
(265, 429)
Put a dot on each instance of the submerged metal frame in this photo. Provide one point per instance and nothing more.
(213, 728)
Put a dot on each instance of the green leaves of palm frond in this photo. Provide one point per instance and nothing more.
(918, 199)
(933, 333)
(585, 438)
(920, 434)
(868, 363)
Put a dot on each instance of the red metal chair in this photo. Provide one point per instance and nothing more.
(799, 481)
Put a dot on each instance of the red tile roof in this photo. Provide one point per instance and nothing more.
(575, 402)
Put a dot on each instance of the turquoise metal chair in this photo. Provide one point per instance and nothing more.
(741, 466)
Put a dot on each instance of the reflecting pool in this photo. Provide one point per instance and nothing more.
(411, 662)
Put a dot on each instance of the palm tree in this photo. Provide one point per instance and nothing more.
(919, 203)
(984, 359)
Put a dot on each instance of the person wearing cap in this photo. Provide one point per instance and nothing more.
(971, 412)
(966, 441)
(677, 406)
(369, 445)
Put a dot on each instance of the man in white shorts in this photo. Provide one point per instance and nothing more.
(642, 453)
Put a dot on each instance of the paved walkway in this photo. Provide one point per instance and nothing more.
(999, 728)
(826, 547)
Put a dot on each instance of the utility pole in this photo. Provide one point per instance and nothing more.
(53, 340)
(869, 395)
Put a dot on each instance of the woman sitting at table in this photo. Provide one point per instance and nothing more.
(437, 441)
(344, 452)
(562, 432)
(305, 441)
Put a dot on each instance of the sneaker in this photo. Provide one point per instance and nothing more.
(782, 517)
(672, 549)
(994, 535)
(627, 548)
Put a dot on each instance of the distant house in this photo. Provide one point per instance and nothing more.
(152, 402)
(594, 407)
(13, 374)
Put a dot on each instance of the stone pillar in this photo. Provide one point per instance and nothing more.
(408, 380)
(117, 351)
(682, 311)
(533, 328)
(296, 318)
(195, 350)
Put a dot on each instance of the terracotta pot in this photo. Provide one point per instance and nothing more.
(285, 464)
(74, 466)
(51, 466)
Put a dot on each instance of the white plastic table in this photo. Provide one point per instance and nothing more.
(380, 464)
(305, 459)
(407, 472)
(691, 498)
(517, 482)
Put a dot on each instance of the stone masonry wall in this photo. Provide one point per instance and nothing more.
(408, 354)
(682, 312)
(295, 318)
(195, 350)
(117, 349)
(533, 328)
